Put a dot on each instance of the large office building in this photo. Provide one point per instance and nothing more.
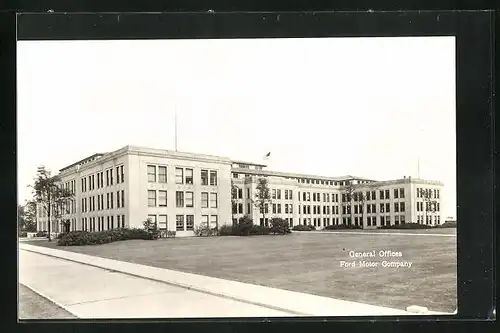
(180, 191)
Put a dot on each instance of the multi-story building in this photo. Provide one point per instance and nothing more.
(180, 191)
(321, 201)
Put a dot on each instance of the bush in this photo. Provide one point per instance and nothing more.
(41, 234)
(279, 226)
(22, 234)
(447, 225)
(342, 227)
(406, 226)
(75, 238)
(258, 230)
(303, 227)
(228, 230)
(151, 228)
(244, 226)
(205, 231)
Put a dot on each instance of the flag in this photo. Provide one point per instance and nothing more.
(267, 156)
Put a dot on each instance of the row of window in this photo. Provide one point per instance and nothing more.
(428, 219)
(103, 223)
(158, 173)
(89, 182)
(182, 199)
(91, 207)
(183, 222)
(428, 193)
(70, 186)
(432, 206)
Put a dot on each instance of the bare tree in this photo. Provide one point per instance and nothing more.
(48, 193)
(349, 190)
(262, 196)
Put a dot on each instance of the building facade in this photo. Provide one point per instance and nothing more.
(181, 191)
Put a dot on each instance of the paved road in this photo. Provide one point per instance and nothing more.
(91, 292)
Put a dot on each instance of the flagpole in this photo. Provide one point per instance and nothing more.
(175, 116)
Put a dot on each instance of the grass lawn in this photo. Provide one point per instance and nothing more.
(309, 262)
(34, 306)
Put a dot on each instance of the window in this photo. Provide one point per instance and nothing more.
(118, 199)
(279, 194)
(204, 177)
(189, 222)
(274, 208)
(151, 174)
(162, 222)
(123, 198)
(396, 219)
(248, 209)
(111, 196)
(123, 221)
(204, 199)
(213, 178)
(279, 208)
(387, 207)
(248, 193)
(204, 220)
(368, 195)
(402, 193)
(382, 208)
(189, 199)
(118, 175)
(402, 219)
(213, 200)
(382, 220)
(396, 193)
(151, 198)
(240, 208)
(111, 176)
(152, 218)
(189, 176)
(388, 220)
(402, 207)
(274, 193)
(240, 193)
(179, 222)
(162, 174)
(179, 175)
(396, 207)
(381, 195)
(179, 199)
(113, 222)
(213, 221)
(162, 198)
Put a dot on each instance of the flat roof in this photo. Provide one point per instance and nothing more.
(296, 175)
(249, 163)
(81, 161)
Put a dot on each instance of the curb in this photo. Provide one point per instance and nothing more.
(50, 300)
(158, 275)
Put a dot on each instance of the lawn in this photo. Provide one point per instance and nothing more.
(34, 306)
(309, 262)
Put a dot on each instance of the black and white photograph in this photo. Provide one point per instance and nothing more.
(256, 177)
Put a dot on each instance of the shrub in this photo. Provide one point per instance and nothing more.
(204, 231)
(22, 234)
(41, 234)
(303, 227)
(406, 226)
(279, 226)
(342, 227)
(151, 228)
(447, 225)
(171, 233)
(258, 230)
(75, 238)
(245, 224)
(227, 230)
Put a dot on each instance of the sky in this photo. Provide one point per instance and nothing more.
(380, 108)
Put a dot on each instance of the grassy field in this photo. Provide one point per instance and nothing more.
(34, 306)
(310, 262)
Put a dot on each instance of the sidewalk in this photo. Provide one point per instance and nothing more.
(283, 301)
(90, 293)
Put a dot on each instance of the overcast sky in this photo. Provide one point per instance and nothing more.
(332, 106)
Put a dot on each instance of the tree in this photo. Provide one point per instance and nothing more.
(279, 226)
(234, 202)
(49, 194)
(262, 197)
(361, 198)
(349, 191)
(27, 216)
